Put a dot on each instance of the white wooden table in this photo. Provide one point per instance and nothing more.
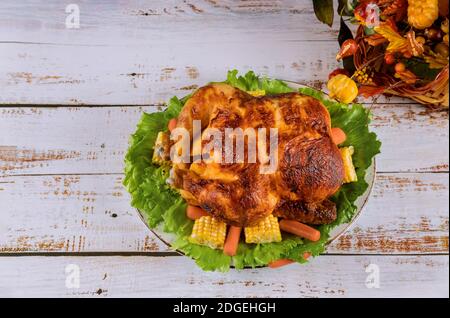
(69, 99)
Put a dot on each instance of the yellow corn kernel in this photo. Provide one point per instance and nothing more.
(257, 93)
(209, 231)
(265, 231)
(422, 13)
(161, 150)
(349, 168)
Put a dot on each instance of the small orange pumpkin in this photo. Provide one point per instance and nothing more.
(343, 88)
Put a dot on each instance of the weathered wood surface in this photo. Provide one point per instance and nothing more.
(49, 74)
(75, 140)
(139, 53)
(61, 167)
(407, 213)
(136, 22)
(163, 47)
(327, 276)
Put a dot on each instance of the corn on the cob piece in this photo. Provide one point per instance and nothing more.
(349, 168)
(422, 13)
(266, 231)
(257, 93)
(161, 152)
(209, 231)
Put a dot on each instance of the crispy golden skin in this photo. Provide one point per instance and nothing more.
(310, 167)
(316, 213)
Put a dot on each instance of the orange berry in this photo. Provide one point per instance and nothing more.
(400, 67)
(389, 58)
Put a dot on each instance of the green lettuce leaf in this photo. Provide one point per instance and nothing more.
(251, 82)
(159, 203)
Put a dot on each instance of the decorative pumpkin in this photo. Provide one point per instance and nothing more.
(343, 88)
(422, 13)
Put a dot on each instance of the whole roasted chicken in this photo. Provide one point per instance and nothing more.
(309, 165)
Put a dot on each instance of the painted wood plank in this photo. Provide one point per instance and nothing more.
(89, 75)
(328, 276)
(54, 75)
(68, 140)
(411, 136)
(94, 140)
(137, 22)
(59, 213)
(407, 213)
(140, 54)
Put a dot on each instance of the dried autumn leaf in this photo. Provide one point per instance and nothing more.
(337, 72)
(394, 8)
(368, 91)
(397, 43)
(435, 61)
(375, 39)
(406, 76)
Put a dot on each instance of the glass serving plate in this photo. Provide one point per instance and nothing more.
(360, 203)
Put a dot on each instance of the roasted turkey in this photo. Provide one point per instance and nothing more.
(309, 170)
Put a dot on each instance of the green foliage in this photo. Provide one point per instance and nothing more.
(324, 11)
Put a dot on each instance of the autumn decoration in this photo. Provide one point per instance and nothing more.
(399, 47)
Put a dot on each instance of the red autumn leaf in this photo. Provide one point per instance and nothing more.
(406, 76)
(368, 91)
(394, 8)
(337, 72)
